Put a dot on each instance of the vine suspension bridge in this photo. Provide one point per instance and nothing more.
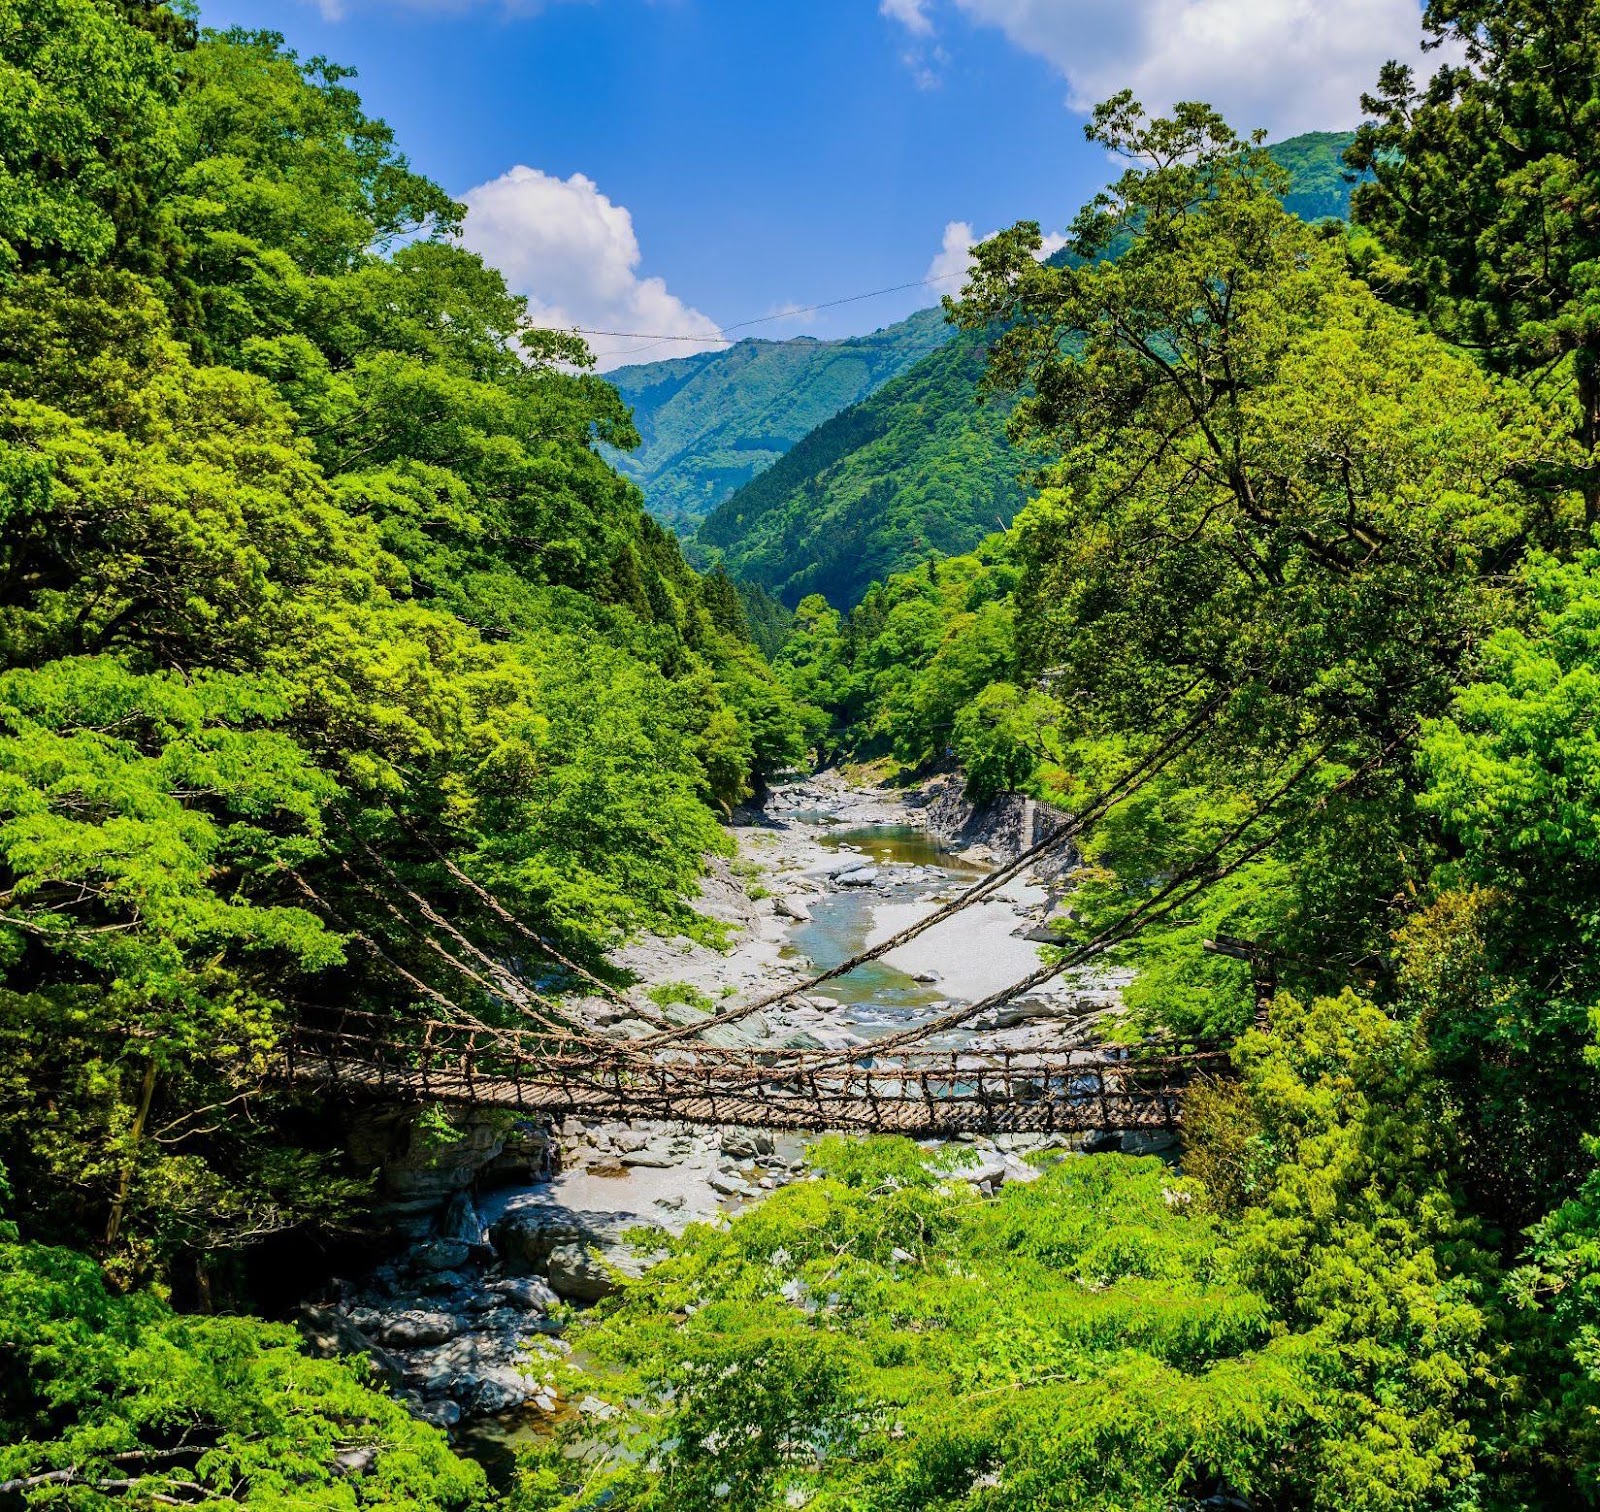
(915, 1092)
(552, 1066)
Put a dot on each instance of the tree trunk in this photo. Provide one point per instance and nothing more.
(147, 1091)
(1588, 373)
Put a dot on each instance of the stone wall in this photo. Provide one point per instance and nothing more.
(1005, 826)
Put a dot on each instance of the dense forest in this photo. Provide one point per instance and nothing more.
(316, 597)
(319, 603)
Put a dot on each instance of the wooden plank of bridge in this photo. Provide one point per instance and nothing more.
(904, 1100)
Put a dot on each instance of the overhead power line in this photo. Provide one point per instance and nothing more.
(722, 335)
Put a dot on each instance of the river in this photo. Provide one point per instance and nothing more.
(463, 1316)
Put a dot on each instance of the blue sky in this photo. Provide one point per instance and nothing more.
(676, 166)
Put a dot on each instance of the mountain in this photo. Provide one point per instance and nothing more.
(712, 422)
(919, 466)
(1320, 183)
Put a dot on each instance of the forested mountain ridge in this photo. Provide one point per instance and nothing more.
(921, 465)
(919, 468)
(711, 422)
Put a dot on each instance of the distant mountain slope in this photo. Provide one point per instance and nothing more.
(712, 422)
(918, 466)
(915, 469)
(1316, 165)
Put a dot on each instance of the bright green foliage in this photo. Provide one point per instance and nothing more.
(711, 422)
(285, 176)
(1000, 736)
(313, 587)
(1355, 1238)
(880, 1339)
(1505, 959)
(72, 158)
(927, 1350)
(1259, 462)
(895, 675)
(1487, 200)
(114, 1401)
(1557, 1291)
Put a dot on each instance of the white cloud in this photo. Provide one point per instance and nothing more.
(954, 257)
(575, 255)
(1287, 65)
(911, 14)
(924, 58)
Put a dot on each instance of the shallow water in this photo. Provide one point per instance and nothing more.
(840, 926)
(972, 954)
(904, 843)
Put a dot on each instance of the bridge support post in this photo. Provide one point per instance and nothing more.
(1263, 962)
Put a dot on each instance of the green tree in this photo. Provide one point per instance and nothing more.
(1001, 736)
(1271, 498)
(1487, 194)
(1502, 961)
(85, 127)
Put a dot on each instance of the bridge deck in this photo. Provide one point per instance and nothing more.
(924, 1095)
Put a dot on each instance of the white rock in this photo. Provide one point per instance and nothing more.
(651, 1155)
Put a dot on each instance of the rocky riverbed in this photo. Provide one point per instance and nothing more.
(514, 1226)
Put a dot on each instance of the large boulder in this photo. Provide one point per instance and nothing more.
(988, 1169)
(750, 1030)
(579, 1274)
(656, 1155)
(419, 1171)
(329, 1334)
(527, 1155)
(417, 1329)
(461, 1222)
(440, 1255)
(495, 1390)
(528, 1293)
(440, 1414)
(1148, 1141)
(1013, 1015)
(746, 1144)
(525, 1237)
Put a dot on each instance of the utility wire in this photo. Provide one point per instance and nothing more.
(722, 336)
